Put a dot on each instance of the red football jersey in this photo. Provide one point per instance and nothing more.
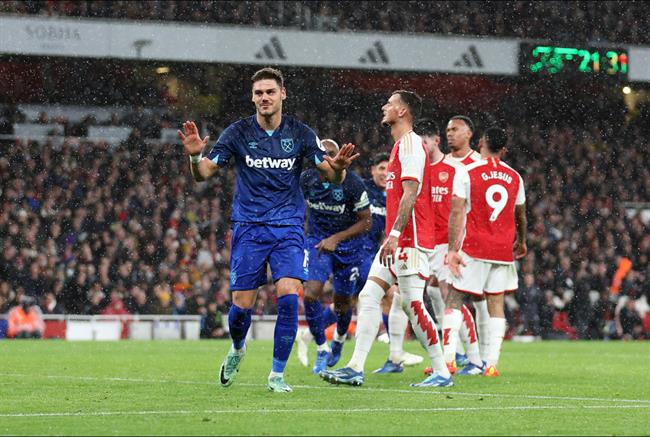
(491, 189)
(442, 180)
(468, 159)
(408, 160)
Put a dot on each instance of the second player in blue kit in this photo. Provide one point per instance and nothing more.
(339, 219)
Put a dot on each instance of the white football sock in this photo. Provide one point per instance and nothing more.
(368, 320)
(468, 331)
(397, 322)
(437, 302)
(482, 320)
(323, 347)
(339, 338)
(307, 336)
(412, 287)
(450, 326)
(463, 339)
(497, 332)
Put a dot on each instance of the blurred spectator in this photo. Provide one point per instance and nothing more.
(578, 21)
(49, 304)
(631, 325)
(212, 322)
(116, 306)
(26, 319)
(530, 297)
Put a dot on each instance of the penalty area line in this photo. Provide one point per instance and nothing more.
(316, 411)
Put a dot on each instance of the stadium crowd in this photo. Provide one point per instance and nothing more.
(574, 21)
(91, 229)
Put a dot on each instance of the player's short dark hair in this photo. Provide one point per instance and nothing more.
(380, 157)
(426, 126)
(412, 100)
(495, 139)
(269, 73)
(468, 121)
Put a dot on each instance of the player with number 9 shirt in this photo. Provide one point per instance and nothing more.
(490, 194)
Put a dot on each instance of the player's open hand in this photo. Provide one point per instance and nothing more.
(343, 158)
(328, 244)
(454, 261)
(519, 250)
(387, 251)
(191, 139)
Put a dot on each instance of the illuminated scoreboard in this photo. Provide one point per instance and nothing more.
(538, 59)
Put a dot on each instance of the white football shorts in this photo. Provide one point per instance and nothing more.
(408, 261)
(437, 259)
(479, 276)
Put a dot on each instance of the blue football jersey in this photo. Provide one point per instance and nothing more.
(333, 208)
(377, 198)
(268, 167)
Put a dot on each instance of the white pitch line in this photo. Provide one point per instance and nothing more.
(332, 387)
(318, 411)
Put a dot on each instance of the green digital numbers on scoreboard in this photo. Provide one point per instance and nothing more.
(564, 61)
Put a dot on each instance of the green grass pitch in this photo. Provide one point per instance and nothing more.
(170, 388)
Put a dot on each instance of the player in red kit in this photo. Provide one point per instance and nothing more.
(489, 197)
(403, 258)
(460, 130)
(443, 170)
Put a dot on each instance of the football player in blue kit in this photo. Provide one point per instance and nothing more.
(339, 218)
(268, 212)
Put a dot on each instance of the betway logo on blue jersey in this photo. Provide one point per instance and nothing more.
(322, 206)
(266, 162)
(377, 210)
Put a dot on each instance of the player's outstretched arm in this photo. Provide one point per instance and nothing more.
(333, 169)
(404, 213)
(363, 224)
(200, 167)
(521, 224)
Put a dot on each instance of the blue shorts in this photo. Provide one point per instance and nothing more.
(350, 267)
(256, 244)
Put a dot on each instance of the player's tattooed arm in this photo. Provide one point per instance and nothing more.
(404, 212)
(521, 227)
(201, 168)
(456, 215)
(406, 204)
